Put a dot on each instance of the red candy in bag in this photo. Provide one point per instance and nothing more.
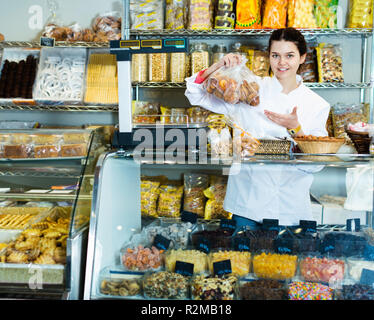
(234, 85)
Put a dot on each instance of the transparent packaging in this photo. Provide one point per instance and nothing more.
(204, 287)
(60, 77)
(175, 14)
(325, 12)
(322, 269)
(139, 67)
(248, 14)
(178, 63)
(198, 258)
(200, 57)
(300, 14)
(263, 289)
(330, 63)
(128, 285)
(137, 256)
(356, 264)
(274, 266)
(146, 15)
(225, 15)
(194, 198)
(165, 285)
(158, 67)
(177, 232)
(240, 260)
(170, 200)
(200, 15)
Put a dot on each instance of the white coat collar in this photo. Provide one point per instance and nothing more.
(278, 86)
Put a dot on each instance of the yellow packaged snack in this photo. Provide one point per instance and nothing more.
(216, 196)
(148, 197)
(360, 14)
(300, 14)
(258, 62)
(325, 12)
(248, 14)
(170, 199)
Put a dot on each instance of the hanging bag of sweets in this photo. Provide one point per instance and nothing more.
(234, 85)
(225, 16)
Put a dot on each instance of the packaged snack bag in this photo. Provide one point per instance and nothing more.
(275, 14)
(248, 14)
(325, 12)
(300, 14)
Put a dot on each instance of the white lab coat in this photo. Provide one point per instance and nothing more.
(269, 191)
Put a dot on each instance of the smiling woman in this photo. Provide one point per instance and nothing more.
(287, 108)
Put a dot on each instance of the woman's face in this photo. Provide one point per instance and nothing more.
(285, 59)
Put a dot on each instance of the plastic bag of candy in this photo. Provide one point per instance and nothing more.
(234, 85)
(248, 14)
(275, 14)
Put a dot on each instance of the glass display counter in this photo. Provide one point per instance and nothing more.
(46, 179)
(127, 258)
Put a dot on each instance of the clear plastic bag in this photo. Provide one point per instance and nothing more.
(146, 14)
(225, 16)
(330, 63)
(107, 26)
(234, 85)
(175, 14)
(194, 198)
(200, 15)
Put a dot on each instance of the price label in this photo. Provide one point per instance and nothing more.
(353, 224)
(184, 268)
(161, 243)
(228, 224)
(187, 216)
(327, 246)
(203, 245)
(47, 42)
(270, 224)
(367, 277)
(283, 245)
(242, 244)
(308, 225)
(222, 267)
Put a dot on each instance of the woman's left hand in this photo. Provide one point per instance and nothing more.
(289, 121)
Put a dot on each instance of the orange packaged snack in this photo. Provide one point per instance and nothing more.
(248, 14)
(275, 14)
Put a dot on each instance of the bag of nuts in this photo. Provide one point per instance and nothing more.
(234, 85)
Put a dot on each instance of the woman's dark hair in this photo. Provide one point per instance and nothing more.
(289, 34)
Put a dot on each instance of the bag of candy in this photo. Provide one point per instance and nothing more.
(234, 85)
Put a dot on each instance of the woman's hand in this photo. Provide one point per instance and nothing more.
(230, 60)
(289, 121)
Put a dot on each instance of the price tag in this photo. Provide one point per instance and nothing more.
(367, 277)
(184, 268)
(283, 245)
(47, 42)
(327, 246)
(353, 224)
(242, 244)
(161, 243)
(270, 224)
(187, 216)
(222, 267)
(308, 225)
(203, 245)
(228, 224)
